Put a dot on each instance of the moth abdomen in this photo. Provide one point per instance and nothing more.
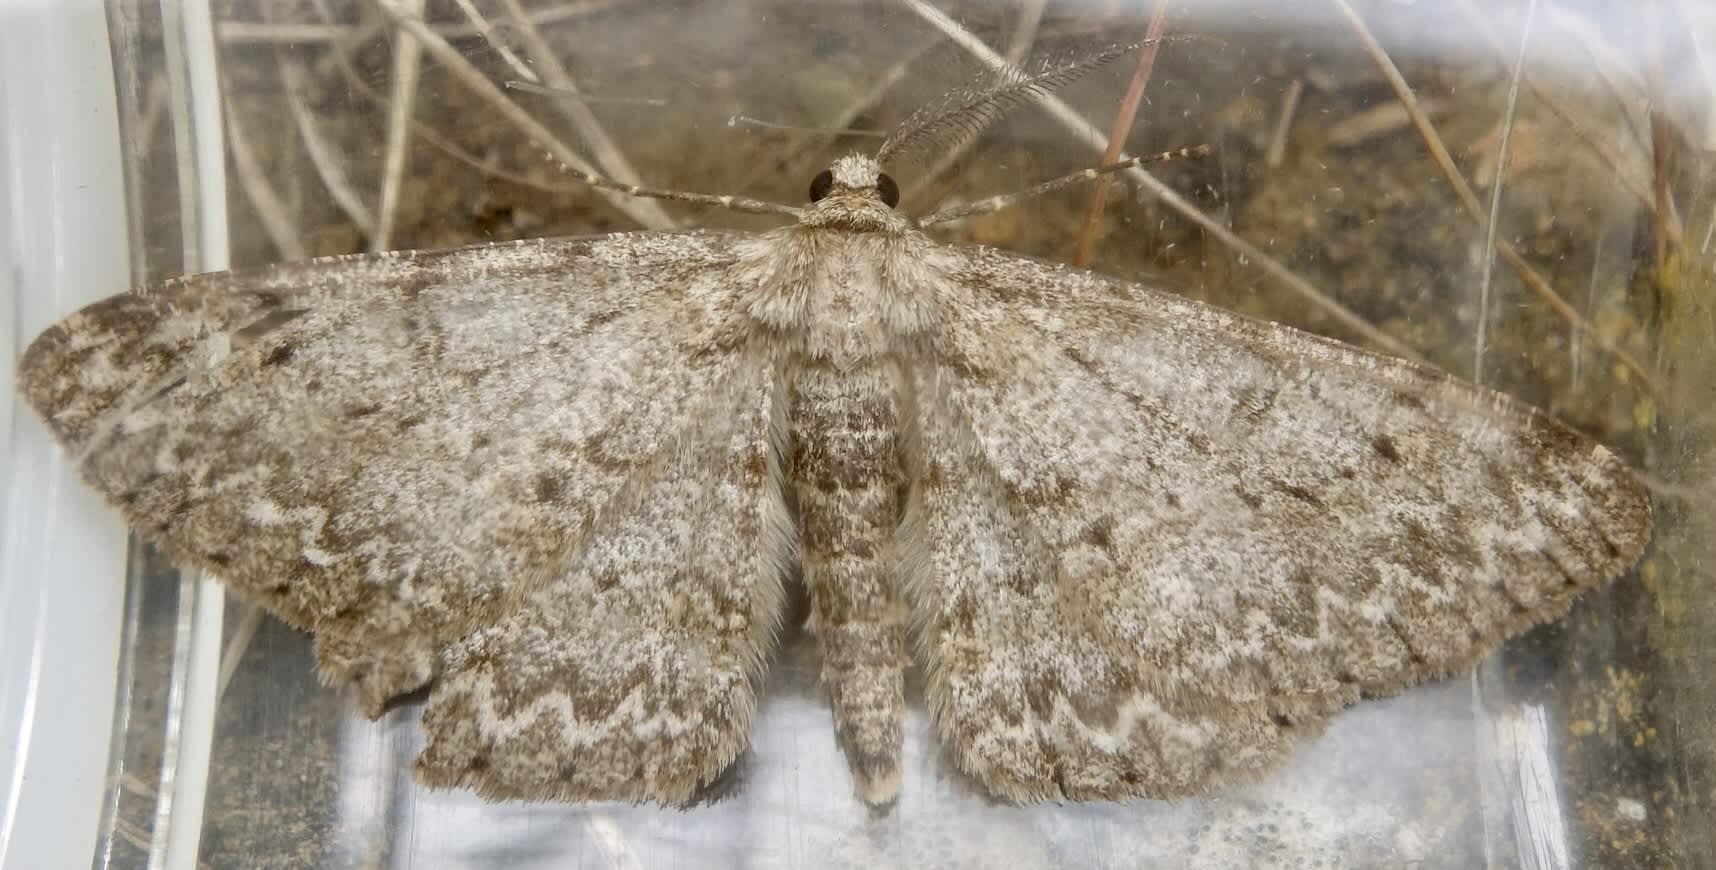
(846, 470)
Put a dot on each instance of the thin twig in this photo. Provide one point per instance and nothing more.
(608, 156)
(236, 645)
(878, 89)
(407, 58)
(1575, 338)
(620, 195)
(264, 33)
(1118, 132)
(1704, 134)
(347, 40)
(1560, 108)
(1445, 162)
(541, 90)
(759, 123)
(452, 149)
(839, 125)
(1625, 87)
(1490, 225)
(1376, 121)
(132, 833)
(132, 784)
(487, 31)
(1663, 214)
(1087, 133)
(254, 182)
(235, 32)
(322, 155)
(1276, 153)
(1025, 30)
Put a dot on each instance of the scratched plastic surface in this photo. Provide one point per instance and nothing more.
(1587, 742)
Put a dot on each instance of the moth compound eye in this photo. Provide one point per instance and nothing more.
(821, 185)
(888, 189)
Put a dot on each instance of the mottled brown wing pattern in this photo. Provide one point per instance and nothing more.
(379, 449)
(630, 674)
(1160, 542)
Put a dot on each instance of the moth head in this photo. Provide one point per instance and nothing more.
(855, 176)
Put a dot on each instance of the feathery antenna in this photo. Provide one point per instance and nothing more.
(962, 114)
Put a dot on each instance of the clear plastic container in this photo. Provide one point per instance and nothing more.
(1586, 742)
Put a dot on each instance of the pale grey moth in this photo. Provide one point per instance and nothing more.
(1138, 546)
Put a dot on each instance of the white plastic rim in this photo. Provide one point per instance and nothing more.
(62, 557)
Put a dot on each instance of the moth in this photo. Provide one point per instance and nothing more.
(1138, 546)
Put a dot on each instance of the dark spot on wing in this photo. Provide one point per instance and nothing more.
(279, 356)
(1083, 361)
(604, 317)
(1408, 400)
(607, 580)
(547, 487)
(1297, 492)
(1256, 402)
(1609, 549)
(1062, 490)
(1430, 558)
(1417, 534)
(1502, 483)
(1385, 447)
(1414, 651)
(1300, 618)
(755, 464)
(167, 389)
(1100, 533)
(858, 548)
(1251, 499)
(1542, 433)
(933, 476)
(267, 299)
